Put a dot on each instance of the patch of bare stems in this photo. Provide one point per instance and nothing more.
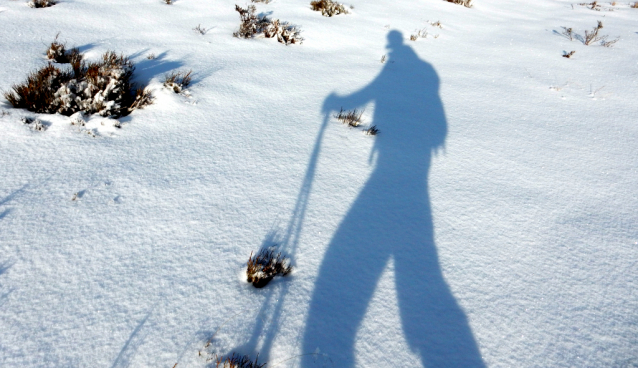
(237, 361)
(253, 25)
(373, 130)
(465, 3)
(590, 36)
(420, 33)
(103, 87)
(593, 5)
(351, 118)
(41, 3)
(199, 29)
(264, 266)
(177, 81)
(328, 8)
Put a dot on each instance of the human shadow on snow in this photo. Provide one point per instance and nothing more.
(392, 219)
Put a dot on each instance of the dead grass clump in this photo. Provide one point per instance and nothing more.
(41, 3)
(465, 3)
(351, 118)
(177, 81)
(265, 266)
(237, 361)
(253, 25)
(593, 5)
(592, 36)
(201, 30)
(634, 5)
(328, 8)
(373, 130)
(103, 87)
(58, 53)
(420, 33)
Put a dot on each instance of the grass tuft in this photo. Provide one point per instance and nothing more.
(253, 25)
(237, 361)
(58, 53)
(373, 130)
(265, 266)
(177, 81)
(41, 3)
(351, 118)
(328, 8)
(465, 3)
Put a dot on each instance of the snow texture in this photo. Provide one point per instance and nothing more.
(491, 222)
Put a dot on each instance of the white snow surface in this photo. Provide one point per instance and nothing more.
(127, 247)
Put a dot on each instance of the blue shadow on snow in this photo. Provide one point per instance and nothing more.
(392, 218)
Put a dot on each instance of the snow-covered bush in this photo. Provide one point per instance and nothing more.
(102, 87)
(265, 266)
(328, 8)
(465, 3)
(37, 123)
(253, 25)
(177, 81)
(41, 3)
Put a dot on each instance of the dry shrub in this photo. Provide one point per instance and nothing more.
(265, 266)
(253, 25)
(177, 81)
(465, 3)
(328, 8)
(102, 88)
(41, 3)
(635, 5)
(351, 118)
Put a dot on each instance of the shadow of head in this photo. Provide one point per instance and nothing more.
(395, 39)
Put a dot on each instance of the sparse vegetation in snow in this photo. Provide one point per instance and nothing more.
(328, 8)
(41, 3)
(58, 53)
(104, 88)
(237, 361)
(265, 265)
(465, 3)
(177, 81)
(351, 118)
(253, 25)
